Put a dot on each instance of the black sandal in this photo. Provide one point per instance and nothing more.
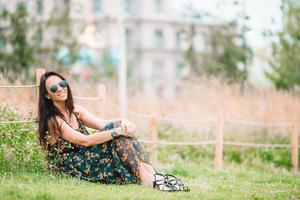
(176, 183)
(160, 182)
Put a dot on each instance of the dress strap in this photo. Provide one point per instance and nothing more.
(77, 118)
(81, 126)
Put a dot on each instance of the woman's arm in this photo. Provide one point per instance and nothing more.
(92, 120)
(76, 137)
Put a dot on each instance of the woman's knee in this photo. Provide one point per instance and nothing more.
(123, 142)
(109, 126)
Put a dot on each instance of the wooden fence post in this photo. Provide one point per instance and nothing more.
(153, 135)
(102, 96)
(294, 146)
(38, 73)
(219, 141)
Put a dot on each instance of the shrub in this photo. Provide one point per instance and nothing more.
(204, 155)
(19, 146)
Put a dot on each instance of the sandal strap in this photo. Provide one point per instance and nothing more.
(164, 186)
(176, 182)
(169, 183)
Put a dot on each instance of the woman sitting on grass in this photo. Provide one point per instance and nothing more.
(111, 156)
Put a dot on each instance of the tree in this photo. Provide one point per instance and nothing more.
(228, 54)
(285, 61)
(30, 40)
(63, 40)
(191, 56)
(16, 55)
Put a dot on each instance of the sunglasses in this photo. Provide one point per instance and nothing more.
(62, 83)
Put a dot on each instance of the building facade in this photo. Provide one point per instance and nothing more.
(155, 33)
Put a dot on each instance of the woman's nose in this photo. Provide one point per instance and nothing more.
(59, 88)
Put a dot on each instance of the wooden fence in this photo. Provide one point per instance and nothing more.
(219, 122)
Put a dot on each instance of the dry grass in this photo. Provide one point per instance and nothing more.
(200, 98)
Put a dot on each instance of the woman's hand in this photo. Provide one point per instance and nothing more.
(122, 131)
(128, 126)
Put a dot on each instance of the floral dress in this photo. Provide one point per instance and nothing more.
(114, 162)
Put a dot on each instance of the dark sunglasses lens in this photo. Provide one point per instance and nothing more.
(63, 83)
(53, 88)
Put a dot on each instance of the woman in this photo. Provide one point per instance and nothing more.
(111, 156)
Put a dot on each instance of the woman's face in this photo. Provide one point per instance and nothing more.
(57, 89)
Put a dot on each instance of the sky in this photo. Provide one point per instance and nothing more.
(261, 13)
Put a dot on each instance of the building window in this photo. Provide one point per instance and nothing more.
(97, 6)
(158, 6)
(159, 39)
(127, 5)
(128, 33)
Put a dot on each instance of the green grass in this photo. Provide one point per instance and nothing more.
(205, 183)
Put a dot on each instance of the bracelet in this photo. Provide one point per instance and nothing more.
(114, 133)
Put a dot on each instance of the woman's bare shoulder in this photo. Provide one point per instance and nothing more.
(79, 110)
(51, 121)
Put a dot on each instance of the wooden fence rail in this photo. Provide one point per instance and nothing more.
(219, 124)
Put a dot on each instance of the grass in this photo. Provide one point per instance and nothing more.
(234, 183)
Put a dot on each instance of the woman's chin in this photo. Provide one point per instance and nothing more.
(61, 99)
(65, 98)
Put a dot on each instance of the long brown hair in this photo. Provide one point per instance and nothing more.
(47, 111)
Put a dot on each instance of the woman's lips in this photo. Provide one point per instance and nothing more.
(62, 94)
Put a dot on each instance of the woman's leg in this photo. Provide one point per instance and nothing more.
(149, 168)
(131, 153)
(131, 159)
(147, 173)
(146, 177)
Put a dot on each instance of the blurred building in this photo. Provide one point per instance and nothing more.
(156, 37)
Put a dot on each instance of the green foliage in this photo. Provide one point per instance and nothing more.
(227, 53)
(29, 39)
(108, 66)
(19, 58)
(204, 155)
(19, 146)
(191, 54)
(285, 61)
(227, 57)
(258, 157)
(60, 25)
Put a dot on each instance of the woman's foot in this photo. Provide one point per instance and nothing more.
(146, 177)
